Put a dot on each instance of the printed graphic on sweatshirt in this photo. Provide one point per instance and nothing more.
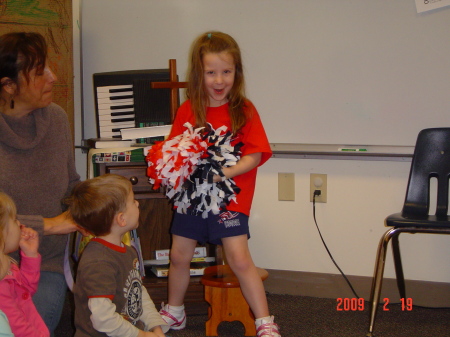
(133, 294)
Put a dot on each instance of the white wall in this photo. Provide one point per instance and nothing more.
(296, 91)
(80, 157)
(360, 196)
(322, 71)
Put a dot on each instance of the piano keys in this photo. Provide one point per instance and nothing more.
(125, 99)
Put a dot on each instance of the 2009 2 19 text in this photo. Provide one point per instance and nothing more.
(357, 304)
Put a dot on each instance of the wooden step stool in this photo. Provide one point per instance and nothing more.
(224, 295)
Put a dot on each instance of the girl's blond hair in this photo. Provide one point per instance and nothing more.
(8, 211)
(216, 42)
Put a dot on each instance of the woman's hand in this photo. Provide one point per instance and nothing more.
(62, 224)
(29, 241)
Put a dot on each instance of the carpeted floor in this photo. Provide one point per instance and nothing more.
(317, 317)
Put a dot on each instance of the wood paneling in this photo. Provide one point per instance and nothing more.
(53, 19)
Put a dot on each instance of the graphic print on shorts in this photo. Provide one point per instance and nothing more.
(229, 219)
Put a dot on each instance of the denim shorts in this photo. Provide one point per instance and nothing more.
(213, 228)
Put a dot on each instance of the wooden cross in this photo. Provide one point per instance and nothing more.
(173, 85)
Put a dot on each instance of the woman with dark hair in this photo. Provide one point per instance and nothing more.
(37, 166)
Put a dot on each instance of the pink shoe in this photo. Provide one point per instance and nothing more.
(170, 319)
(268, 329)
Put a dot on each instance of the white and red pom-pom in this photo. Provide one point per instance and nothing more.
(170, 162)
(187, 164)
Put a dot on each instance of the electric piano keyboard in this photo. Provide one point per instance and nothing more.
(125, 99)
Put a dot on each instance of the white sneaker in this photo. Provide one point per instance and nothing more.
(267, 328)
(170, 318)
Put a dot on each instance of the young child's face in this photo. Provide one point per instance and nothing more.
(218, 77)
(132, 212)
(11, 235)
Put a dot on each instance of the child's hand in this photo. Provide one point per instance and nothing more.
(244, 165)
(217, 178)
(148, 334)
(29, 241)
(158, 333)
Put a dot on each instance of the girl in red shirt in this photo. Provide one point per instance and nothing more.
(216, 97)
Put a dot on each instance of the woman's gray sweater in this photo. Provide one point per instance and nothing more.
(37, 170)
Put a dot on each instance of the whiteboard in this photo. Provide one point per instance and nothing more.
(319, 72)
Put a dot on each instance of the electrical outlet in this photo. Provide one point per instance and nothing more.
(318, 182)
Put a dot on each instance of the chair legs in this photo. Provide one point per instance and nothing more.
(378, 275)
(398, 266)
(377, 281)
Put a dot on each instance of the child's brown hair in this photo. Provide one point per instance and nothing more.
(95, 202)
(216, 42)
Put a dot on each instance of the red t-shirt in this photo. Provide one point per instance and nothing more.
(252, 135)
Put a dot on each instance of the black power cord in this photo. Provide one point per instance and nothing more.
(317, 193)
